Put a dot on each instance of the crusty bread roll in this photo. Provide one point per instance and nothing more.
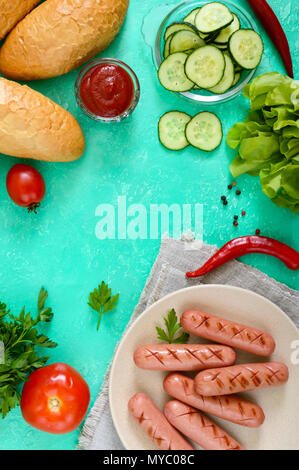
(60, 35)
(33, 126)
(12, 11)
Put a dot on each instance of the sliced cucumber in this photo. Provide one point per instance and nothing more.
(191, 17)
(175, 27)
(222, 47)
(205, 67)
(211, 37)
(227, 80)
(203, 36)
(213, 17)
(204, 131)
(184, 40)
(225, 33)
(238, 68)
(166, 51)
(172, 75)
(172, 128)
(236, 79)
(189, 51)
(246, 48)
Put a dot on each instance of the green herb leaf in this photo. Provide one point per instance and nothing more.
(172, 326)
(20, 337)
(101, 300)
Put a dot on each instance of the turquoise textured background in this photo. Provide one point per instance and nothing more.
(58, 248)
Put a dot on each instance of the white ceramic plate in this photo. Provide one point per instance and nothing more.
(280, 404)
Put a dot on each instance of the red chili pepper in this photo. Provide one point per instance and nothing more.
(274, 29)
(251, 244)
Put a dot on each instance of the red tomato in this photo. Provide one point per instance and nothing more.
(25, 186)
(55, 399)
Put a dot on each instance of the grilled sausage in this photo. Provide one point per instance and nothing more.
(229, 407)
(227, 332)
(183, 356)
(240, 378)
(154, 423)
(198, 427)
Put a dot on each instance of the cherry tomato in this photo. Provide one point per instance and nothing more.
(25, 186)
(55, 399)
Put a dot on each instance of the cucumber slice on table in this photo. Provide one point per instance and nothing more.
(184, 40)
(225, 33)
(175, 27)
(213, 17)
(205, 67)
(191, 17)
(246, 48)
(172, 75)
(204, 131)
(172, 127)
(228, 78)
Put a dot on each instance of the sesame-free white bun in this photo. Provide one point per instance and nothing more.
(33, 126)
(59, 35)
(12, 11)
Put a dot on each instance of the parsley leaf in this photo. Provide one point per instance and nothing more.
(20, 337)
(172, 325)
(101, 300)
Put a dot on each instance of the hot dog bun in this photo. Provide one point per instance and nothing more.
(12, 11)
(60, 35)
(33, 126)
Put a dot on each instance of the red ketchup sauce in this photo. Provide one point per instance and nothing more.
(107, 90)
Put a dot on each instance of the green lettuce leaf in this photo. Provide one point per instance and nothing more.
(268, 140)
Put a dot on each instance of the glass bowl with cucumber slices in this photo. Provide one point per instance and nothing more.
(207, 51)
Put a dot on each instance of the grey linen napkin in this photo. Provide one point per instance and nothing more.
(168, 275)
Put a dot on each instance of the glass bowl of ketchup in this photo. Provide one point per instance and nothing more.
(107, 90)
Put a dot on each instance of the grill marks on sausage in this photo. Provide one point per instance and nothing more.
(246, 334)
(274, 374)
(216, 432)
(158, 439)
(255, 379)
(194, 355)
(241, 409)
(247, 375)
(260, 338)
(237, 332)
(152, 434)
(185, 384)
(174, 354)
(204, 321)
(216, 353)
(155, 355)
(199, 355)
(141, 418)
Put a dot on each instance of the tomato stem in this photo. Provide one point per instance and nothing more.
(33, 207)
(54, 404)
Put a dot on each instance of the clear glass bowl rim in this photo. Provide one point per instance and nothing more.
(132, 74)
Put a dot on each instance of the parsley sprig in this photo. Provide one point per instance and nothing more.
(101, 300)
(172, 326)
(20, 337)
